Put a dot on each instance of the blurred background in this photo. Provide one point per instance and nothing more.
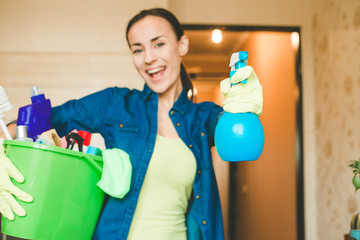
(300, 188)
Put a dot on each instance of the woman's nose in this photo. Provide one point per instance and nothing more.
(150, 56)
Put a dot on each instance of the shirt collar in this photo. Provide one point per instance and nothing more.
(182, 102)
(145, 93)
(180, 105)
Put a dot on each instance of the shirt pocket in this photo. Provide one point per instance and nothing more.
(124, 126)
(122, 134)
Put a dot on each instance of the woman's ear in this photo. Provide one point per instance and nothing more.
(183, 45)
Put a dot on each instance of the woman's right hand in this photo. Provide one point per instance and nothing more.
(241, 97)
(8, 204)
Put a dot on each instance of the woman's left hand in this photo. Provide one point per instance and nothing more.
(8, 191)
(242, 97)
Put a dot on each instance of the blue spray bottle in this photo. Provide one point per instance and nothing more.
(36, 116)
(239, 136)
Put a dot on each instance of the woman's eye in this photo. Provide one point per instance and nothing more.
(137, 51)
(159, 44)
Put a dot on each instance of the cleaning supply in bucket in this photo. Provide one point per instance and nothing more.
(239, 134)
(87, 139)
(74, 139)
(67, 202)
(63, 140)
(68, 141)
(94, 150)
(87, 148)
(21, 134)
(36, 116)
(49, 137)
(5, 105)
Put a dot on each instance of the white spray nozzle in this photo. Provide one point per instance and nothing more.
(234, 59)
(36, 90)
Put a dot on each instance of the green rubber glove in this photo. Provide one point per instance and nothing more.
(117, 170)
(8, 204)
(242, 97)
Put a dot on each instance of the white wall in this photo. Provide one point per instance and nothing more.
(68, 48)
(67, 25)
(336, 26)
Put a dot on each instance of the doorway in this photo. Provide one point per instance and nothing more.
(262, 199)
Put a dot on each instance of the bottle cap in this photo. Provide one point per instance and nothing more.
(36, 90)
(37, 95)
(21, 133)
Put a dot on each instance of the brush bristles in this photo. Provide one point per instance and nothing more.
(5, 104)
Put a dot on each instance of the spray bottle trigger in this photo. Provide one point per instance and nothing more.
(241, 58)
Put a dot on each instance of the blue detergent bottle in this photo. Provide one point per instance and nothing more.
(239, 136)
(36, 116)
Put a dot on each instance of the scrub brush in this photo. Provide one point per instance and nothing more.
(5, 105)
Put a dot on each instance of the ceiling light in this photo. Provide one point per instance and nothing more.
(295, 39)
(216, 36)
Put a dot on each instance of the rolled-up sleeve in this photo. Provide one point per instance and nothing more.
(86, 113)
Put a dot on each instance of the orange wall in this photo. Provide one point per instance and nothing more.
(267, 187)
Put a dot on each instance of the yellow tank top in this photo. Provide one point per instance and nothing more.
(163, 200)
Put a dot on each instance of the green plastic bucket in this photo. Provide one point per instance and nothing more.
(67, 203)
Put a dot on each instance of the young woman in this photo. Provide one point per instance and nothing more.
(173, 193)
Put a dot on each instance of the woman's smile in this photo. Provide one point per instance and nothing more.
(156, 73)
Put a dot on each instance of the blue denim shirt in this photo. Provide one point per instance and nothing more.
(127, 119)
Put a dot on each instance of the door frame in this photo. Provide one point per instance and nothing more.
(300, 208)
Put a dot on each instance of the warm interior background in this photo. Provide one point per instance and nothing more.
(72, 48)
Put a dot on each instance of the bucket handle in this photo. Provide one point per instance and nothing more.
(93, 163)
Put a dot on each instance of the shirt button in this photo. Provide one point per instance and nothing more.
(121, 125)
(171, 112)
(199, 172)
(178, 124)
(197, 196)
(204, 222)
(190, 145)
(149, 150)
(202, 133)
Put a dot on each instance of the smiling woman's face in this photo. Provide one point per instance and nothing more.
(157, 53)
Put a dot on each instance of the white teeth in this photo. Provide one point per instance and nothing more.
(155, 70)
